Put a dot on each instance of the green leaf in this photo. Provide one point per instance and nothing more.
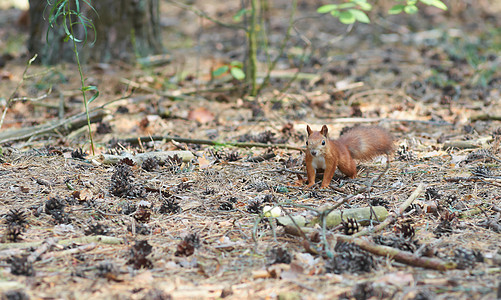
(65, 27)
(61, 10)
(326, 8)
(91, 88)
(396, 9)
(238, 16)
(220, 71)
(88, 23)
(363, 4)
(359, 15)
(411, 9)
(346, 5)
(436, 3)
(73, 38)
(237, 64)
(335, 13)
(439, 4)
(82, 21)
(346, 17)
(88, 3)
(237, 73)
(93, 97)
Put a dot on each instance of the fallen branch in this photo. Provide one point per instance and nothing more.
(154, 60)
(349, 86)
(486, 117)
(137, 140)
(398, 255)
(374, 120)
(139, 158)
(186, 93)
(360, 214)
(462, 145)
(355, 96)
(80, 249)
(44, 247)
(101, 239)
(69, 124)
(492, 180)
(392, 253)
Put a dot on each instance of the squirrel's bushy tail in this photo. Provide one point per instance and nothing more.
(365, 143)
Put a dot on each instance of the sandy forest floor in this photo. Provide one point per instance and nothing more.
(82, 226)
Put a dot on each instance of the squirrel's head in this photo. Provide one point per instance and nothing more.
(317, 140)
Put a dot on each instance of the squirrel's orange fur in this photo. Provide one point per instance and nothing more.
(360, 143)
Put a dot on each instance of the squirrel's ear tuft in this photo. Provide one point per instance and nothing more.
(308, 129)
(324, 130)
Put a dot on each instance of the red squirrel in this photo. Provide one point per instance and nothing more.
(361, 143)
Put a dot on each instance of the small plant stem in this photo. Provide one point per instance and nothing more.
(252, 57)
(82, 83)
(264, 11)
(266, 80)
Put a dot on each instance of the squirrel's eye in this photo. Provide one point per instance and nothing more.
(306, 142)
(323, 142)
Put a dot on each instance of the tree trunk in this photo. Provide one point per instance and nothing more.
(125, 30)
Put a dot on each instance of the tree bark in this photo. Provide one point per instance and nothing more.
(125, 30)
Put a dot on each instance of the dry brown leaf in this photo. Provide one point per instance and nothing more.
(201, 115)
(203, 162)
(86, 194)
(5, 75)
(293, 272)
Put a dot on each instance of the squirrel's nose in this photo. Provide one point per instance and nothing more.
(313, 152)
